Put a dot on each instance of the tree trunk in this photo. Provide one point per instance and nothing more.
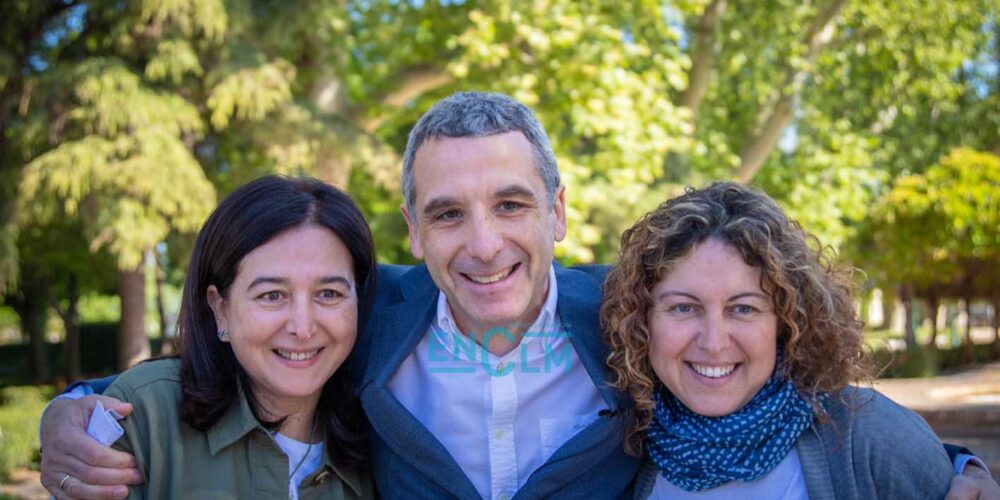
(888, 308)
(70, 318)
(73, 331)
(968, 349)
(932, 305)
(909, 332)
(160, 309)
(775, 118)
(702, 55)
(31, 305)
(133, 346)
(967, 339)
(996, 325)
(33, 319)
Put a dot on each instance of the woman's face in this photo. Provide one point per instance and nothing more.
(713, 330)
(291, 315)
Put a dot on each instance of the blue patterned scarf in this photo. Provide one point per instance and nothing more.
(696, 452)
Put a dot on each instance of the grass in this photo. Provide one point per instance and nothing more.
(20, 410)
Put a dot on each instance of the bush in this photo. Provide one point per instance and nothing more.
(20, 410)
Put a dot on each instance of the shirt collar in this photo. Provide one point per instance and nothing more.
(238, 421)
(544, 326)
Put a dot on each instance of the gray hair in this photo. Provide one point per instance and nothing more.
(480, 114)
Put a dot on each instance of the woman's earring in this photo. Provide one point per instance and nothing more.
(223, 335)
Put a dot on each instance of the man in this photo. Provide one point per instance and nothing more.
(481, 370)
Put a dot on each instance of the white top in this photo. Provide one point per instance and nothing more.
(298, 452)
(785, 481)
(502, 417)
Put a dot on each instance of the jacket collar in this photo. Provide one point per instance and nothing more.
(239, 420)
(579, 309)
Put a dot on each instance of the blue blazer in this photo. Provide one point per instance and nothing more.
(409, 462)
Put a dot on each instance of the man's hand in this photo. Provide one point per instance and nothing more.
(74, 465)
(974, 484)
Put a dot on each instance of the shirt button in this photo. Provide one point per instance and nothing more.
(505, 497)
(499, 433)
(322, 477)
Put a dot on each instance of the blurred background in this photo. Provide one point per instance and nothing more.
(875, 124)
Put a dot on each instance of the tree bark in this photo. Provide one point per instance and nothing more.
(165, 346)
(416, 82)
(888, 308)
(910, 333)
(71, 322)
(133, 346)
(967, 337)
(996, 325)
(777, 117)
(932, 305)
(31, 304)
(703, 55)
(968, 348)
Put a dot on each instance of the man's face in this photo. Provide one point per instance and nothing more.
(483, 224)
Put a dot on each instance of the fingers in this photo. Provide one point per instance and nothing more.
(123, 409)
(87, 480)
(977, 482)
(95, 471)
(73, 488)
(96, 475)
(963, 488)
(69, 443)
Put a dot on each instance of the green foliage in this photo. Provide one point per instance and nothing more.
(944, 224)
(250, 94)
(122, 122)
(20, 410)
(173, 60)
(132, 189)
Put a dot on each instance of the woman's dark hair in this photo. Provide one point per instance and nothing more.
(249, 217)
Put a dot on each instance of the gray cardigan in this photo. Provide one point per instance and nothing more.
(870, 448)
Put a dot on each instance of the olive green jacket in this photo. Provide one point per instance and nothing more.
(236, 458)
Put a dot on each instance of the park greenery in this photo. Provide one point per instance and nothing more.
(875, 124)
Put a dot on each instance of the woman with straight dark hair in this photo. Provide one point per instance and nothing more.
(257, 403)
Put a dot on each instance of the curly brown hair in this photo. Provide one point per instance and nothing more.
(819, 331)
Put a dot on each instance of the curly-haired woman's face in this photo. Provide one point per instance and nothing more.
(713, 330)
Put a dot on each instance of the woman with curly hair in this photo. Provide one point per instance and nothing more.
(737, 338)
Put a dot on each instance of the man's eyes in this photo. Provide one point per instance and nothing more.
(448, 215)
(510, 206)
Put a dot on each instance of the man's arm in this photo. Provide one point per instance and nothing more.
(73, 464)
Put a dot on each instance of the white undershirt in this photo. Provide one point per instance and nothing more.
(785, 482)
(500, 417)
(296, 450)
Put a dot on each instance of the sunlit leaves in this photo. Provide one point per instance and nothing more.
(206, 18)
(173, 60)
(251, 93)
(113, 100)
(130, 191)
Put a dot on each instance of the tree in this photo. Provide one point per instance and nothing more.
(939, 231)
(119, 163)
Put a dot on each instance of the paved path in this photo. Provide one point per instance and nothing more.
(963, 408)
